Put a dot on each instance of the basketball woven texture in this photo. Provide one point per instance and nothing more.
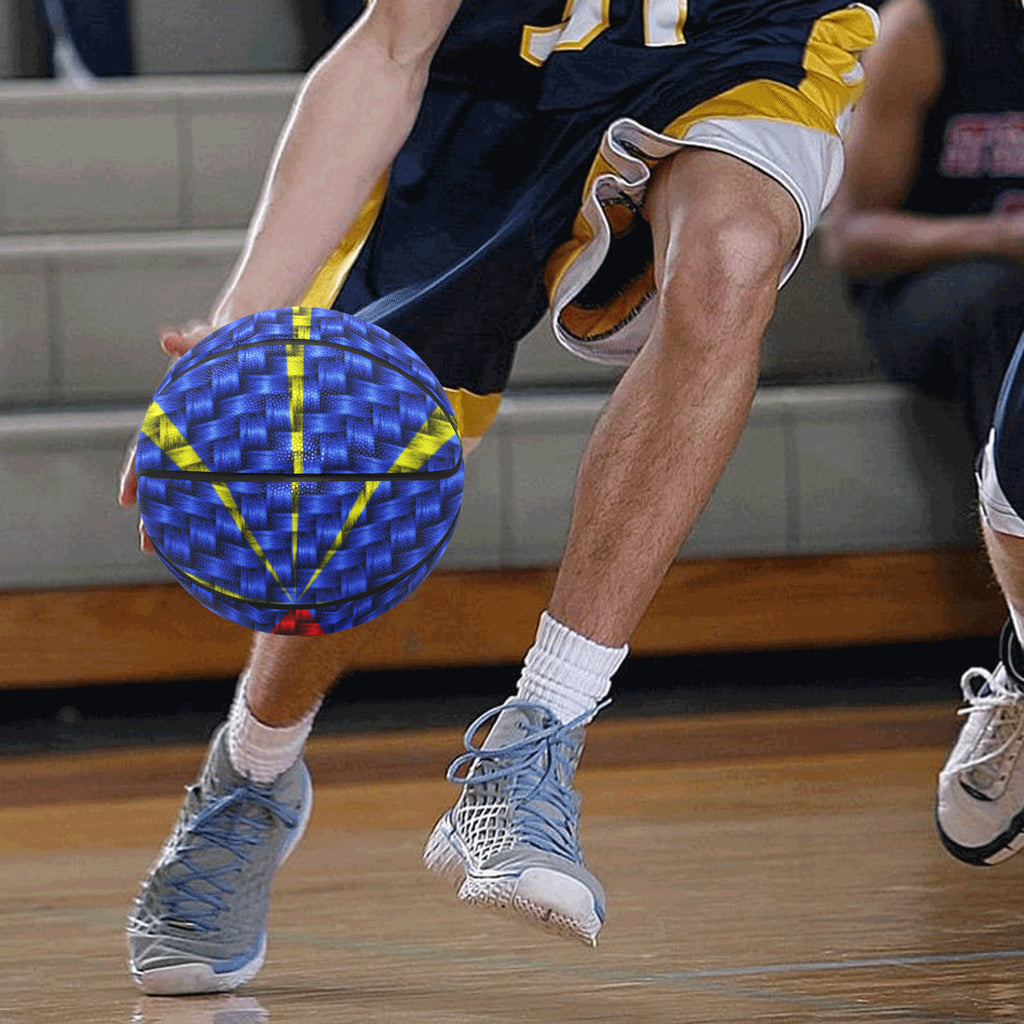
(299, 471)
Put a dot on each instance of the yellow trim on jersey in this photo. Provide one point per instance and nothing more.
(159, 428)
(437, 430)
(331, 276)
(537, 54)
(473, 413)
(832, 82)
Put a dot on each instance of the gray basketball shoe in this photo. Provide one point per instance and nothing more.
(511, 839)
(980, 807)
(199, 923)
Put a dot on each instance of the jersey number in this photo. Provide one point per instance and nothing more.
(585, 20)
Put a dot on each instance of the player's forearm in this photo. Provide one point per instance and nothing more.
(871, 242)
(352, 115)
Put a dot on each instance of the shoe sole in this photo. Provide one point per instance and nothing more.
(199, 977)
(541, 897)
(1003, 847)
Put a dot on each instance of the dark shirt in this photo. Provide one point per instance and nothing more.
(972, 158)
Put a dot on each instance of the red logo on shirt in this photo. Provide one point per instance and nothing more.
(984, 146)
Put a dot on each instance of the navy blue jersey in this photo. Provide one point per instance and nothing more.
(644, 39)
(972, 158)
(527, 52)
(521, 183)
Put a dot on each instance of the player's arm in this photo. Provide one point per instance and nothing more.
(352, 114)
(865, 232)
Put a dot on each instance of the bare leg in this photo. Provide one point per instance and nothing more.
(1006, 553)
(722, 234)
(289, 675)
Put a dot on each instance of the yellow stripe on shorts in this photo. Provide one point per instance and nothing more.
(832, 82)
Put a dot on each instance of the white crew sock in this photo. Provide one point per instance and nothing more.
(567, 673)
(262, 752)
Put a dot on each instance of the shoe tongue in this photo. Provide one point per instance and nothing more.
(545, 802)
(1006, 679)
(219, 776)
(516, 724)
(513, 725)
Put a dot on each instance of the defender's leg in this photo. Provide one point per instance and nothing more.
(980, 803)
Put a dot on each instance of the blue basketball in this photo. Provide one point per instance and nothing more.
(299, 471)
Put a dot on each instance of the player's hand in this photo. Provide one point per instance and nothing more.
(175, 344)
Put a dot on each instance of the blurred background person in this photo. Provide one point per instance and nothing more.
(929, 227)
(928, 224)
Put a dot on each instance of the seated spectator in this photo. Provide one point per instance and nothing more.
(928, 224)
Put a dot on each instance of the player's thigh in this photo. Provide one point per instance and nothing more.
(719, 224)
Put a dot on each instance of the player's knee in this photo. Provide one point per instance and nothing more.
(746, 248)
(725, 265)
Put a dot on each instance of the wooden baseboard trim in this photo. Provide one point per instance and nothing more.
(158, 632)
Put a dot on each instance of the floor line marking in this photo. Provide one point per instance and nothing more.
(908, 960)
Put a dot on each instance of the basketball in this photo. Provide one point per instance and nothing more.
(299, 471)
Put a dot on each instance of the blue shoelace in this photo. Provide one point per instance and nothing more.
(537, 771)
(226, 824)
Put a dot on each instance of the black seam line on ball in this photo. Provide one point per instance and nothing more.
(285, 478)
(293, 605)
(176, 376)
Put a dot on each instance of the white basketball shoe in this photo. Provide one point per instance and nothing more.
(511, 841)
(980, 808)
(199, 922)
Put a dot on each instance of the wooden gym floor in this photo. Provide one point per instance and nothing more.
(776, 867)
